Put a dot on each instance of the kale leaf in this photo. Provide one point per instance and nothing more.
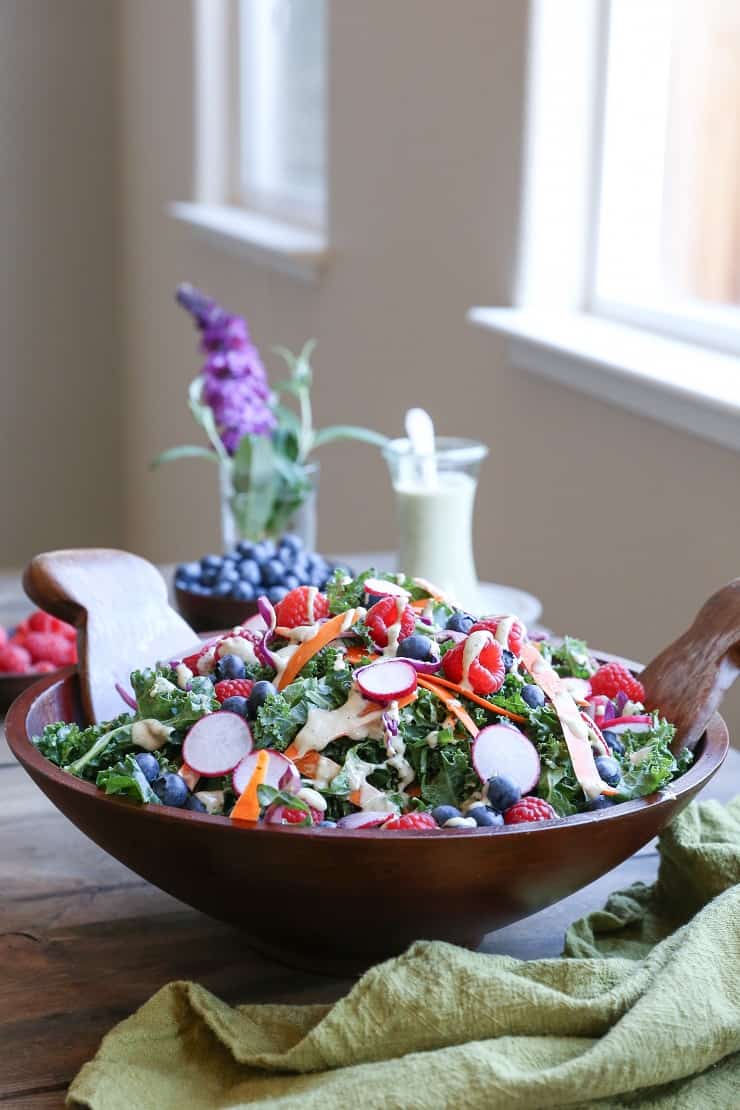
(127, 778)
(64, 743)
(284, 714)
(454, 778)
(158, 697)
(648, 764)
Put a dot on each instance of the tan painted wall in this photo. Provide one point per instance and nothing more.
(59, 452)
(425, 132)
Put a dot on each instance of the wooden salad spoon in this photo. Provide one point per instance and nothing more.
(689, 678)
(118, 603)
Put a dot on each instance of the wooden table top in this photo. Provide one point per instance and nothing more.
(84, 941)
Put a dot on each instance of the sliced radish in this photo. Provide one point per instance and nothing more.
(366, 819)
(601, 708)
(502, 750)
(216, 743)
(643, 723)
(387, 680)
(383, 588)
(578, 688)
(281, 772)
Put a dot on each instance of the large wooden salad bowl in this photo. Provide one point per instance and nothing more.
(334, 898)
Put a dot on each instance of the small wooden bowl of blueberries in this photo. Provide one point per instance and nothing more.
(221, 591)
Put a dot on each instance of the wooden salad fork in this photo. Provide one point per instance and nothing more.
(118, 603)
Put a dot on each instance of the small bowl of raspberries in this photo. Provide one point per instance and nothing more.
(39, 645)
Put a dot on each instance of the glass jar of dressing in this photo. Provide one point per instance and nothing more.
(435, 494)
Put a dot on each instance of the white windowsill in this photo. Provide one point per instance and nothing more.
(680, 384)
(300, 252)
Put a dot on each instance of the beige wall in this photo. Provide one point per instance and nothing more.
(621, 525)
(59, 442)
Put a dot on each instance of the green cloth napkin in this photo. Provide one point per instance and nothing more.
(644, 1011)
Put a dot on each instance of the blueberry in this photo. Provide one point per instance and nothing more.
(211, 562)
(614, 742)
(372, 599)
(197, 588)
(244, 591)
(418, 647)
(600, 802)
(231, 559)
(235, 704)
(503, 793)
(249, 571)
(327, 824)
(485, 817)
(222, 589)
(171, 789)
(263, 551)
(228, 573)
(460, 622)
(148, 765)
(532, 695)
(508, 657)
(245, 548)
(609, 769)
(272, 572)
(209, 577)
(291, 581)
(260, 692)
(230, 666)
(195, 804)
(443, 814)
(276, 593)
(292, 542)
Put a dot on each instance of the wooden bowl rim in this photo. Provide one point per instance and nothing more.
(713, 746)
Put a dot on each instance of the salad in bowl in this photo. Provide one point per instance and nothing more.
(377, 704)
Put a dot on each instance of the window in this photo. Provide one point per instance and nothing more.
(282, 64)
(667, 221)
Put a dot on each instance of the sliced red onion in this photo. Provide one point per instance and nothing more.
(448, 634)
(289, 782)
(422, 667)
(130, 702)
(269, 616)
(619, 703)
(390, 728)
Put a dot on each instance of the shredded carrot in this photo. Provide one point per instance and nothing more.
(464, 693)
(307, 764)
(451, 703)
(356, 653)
(189, 776)
(327, 632)
(247, 807)
(420, 604)
(355, 797)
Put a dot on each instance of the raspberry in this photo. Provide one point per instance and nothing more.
(298, 816)
(3, 636)
(48, 647)
(44, 667)
(486, 672)
(233, 688)
(516, 632)
(384, 614)
(44, 622)
(14, 659)
(613, 678)
(529, 809)
(303, 605)
(411, 821)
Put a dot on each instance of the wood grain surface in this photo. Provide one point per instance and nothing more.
(84, 941)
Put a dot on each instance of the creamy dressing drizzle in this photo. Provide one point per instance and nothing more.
(311, 603)
(474, 645)
(183, 675)
(394, 630)
(213, 800)
(239, 646)
(312, 798)
(397, 759)
(207, 661)
(460, 823)
(149, 734)
(351, 720)
(282, 657)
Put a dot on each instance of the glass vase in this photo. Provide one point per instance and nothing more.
(297, 516)
(435, 496)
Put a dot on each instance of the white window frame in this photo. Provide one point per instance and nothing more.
(556, 328)
(217, 213)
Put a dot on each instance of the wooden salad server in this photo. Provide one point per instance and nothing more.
(688, 680)
(118, 603)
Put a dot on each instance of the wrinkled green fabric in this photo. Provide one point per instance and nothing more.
(643, 1012)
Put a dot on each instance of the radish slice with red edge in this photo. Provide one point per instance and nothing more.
(366, 819)
(383, 588)
(502, 750)
(643, 723)
(217, 743)
(387, 680)
(281, 772)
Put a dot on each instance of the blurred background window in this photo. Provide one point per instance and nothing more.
(667, 249)
(283, 79)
